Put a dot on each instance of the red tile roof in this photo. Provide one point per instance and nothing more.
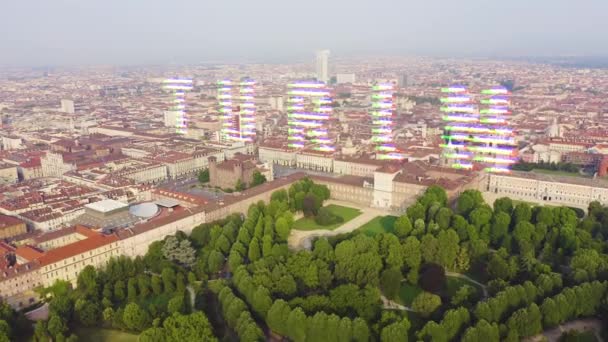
(76, 248)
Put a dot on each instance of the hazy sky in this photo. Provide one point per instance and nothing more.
(50, 32)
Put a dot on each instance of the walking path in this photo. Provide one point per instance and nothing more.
(392, 305)
(464, 276)
(192, 296)
(579, 325)
(302, 239)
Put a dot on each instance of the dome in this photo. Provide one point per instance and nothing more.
(144, 210)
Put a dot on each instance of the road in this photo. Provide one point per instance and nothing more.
(302, 239)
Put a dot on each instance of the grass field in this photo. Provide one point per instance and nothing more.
(558, 173)
(104, 335)
(345, 212)
(379, 225)
(407, 293)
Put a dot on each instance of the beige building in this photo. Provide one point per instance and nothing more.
(53, 165)
(11, 226)
(315, 161)
(67, 261)
(8, 173)
(145, 173)
(546, 189)
(277, 155)
(361, 167)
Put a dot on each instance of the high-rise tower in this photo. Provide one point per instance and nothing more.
(237, 108)
(383, 108)
(323, 66)
(308, 112)
(178, 111)
(474, 138)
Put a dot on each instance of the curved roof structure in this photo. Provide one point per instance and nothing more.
(144, 210)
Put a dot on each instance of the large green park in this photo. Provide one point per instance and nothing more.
(462, 270)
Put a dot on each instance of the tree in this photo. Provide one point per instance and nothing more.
(480, 216)
(500, 227)
(498, 268)
(443, 217)
(415, 212)
(360, 330)
(310, 205)
(40, 332)
(87, 281)
(157, 285)
(504, 205)
(296, 325)
(426, 303)
(447, 247)
(168, 275)
(134, 317)
(119, 291)
(432, 277)
(258, 178)
(239, 186)
(345, 330)
(522, 213)
(203, 176)
(390, 281)
(87, 312)
(193, 327)
(435, 193)
(279, 195)
(468, 200)
(56, 325)
(397, 331)
(403, 226)
(277, 317)
(254, 252)
(462, 295)
(132, 290)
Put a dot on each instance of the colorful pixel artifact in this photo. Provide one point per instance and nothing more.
(237, 110)
(308, 113)
(383, 107)
(178, 87)
(477, 139)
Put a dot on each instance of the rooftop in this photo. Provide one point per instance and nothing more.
(106, 206)
(596, 183)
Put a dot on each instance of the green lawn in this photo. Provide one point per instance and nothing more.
(379, 225)
(104, 335)
(558, 173)
(345, 212)
(407, 293)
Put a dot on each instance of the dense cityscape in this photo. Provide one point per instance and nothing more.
(332, 198)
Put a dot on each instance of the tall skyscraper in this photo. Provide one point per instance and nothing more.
(383, 108)
(323, 66)
(308, 112)
(178, 111)
(237, 110)
(478, 139)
